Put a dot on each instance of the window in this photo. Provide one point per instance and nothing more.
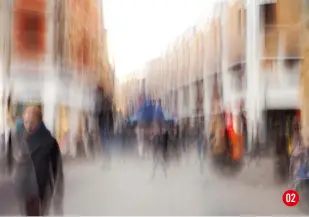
(32, 25)
(29, 27)
(29, 30)
(269, 11)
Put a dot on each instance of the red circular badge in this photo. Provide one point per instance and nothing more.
(290, 198)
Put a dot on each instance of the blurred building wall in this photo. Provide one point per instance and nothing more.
(86, 57)
(215, 51)
(304, 81)
(58, 54)
(280, 53)
(131, 91)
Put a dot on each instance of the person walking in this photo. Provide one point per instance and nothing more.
(184, 138)
(201, 147)
(36, 166)
(105, 139)
(160, 140)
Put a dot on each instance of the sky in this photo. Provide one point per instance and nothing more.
(139, 30)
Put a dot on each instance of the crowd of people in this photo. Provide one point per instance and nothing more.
(34, 161)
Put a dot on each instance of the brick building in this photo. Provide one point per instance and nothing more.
(57, 57)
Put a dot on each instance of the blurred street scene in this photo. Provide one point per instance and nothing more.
(192, 107)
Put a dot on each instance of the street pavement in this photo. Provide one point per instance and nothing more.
(126, 188)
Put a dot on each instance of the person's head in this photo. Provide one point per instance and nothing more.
(32, 118)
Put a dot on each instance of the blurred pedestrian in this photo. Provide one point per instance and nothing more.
(104, 124)
(184, 137)
(166, 137)
(160, 140)
(123, 135)
(36, 166)
(201, 147)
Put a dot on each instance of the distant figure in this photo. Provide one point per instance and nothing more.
(160, 140)
(36, 164)
(165, 144)
(177, 131)
(183, 139)
(104, 123)
(140, 140)
(201, 147)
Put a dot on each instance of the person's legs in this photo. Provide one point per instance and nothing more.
(105, 147)
(184, 144)
(33, 207)
(200, 147)
(108, 148)
(123, 142)
(155, 165)
(201, 157)
(164, 165)
(155, 161)
(102, 140)
(85, 141)
(165, 155)
(46, 203)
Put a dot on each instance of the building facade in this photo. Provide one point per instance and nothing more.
(55, 53)
(130, 90)
(247, 54)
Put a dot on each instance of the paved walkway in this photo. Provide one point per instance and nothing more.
(127, 189)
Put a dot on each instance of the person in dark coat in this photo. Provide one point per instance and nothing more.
(36, 166)
(104, 124)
